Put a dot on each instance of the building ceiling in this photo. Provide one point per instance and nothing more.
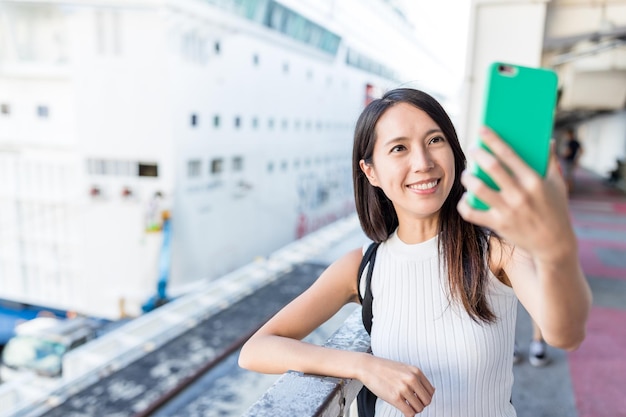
(585, 42)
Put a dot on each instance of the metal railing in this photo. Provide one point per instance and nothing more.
(30, 396)
(302, 395)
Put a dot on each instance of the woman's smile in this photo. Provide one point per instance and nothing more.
(424, 187)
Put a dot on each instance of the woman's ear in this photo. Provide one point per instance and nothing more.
(369, 172)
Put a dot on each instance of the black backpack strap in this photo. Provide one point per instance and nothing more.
(366, 301)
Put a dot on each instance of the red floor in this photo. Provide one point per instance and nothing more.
(598, 367)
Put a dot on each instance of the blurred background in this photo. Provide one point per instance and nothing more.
(230, 119)
(150, 148)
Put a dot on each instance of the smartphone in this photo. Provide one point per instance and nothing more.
(519, 106)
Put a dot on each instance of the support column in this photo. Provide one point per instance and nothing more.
(499, 30)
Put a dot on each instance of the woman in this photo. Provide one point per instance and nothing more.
(445, 287)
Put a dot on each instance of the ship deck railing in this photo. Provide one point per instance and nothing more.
(114, 350)
(303, 395)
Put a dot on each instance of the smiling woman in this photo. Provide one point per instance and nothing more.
(444, 289)
(412, 163)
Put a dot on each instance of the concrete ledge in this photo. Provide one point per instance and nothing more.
(113, 351)
(302, 395)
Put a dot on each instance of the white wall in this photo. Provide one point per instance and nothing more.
(604, 141)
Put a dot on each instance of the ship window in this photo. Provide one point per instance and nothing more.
(103, 167)
(99, 167)
(237, 163)
(309, 74)
(194, 119)
(270, 123)
(92, 166)
(270, 167)
(217, 165)
(255, 122)
(194, 168)
(42, 111)
(110, 167)
(319, 125)
(283, 165)
(308, 125)
(5, 108)
(286, 67)
(237, 121)
(296, 164)
(123, 168)
(285, 124)
(255, 59)
(216, 120)
(217, 47)
(297, 26)
(148, 170)
(358, 60)
(277, 17)
(284, 20)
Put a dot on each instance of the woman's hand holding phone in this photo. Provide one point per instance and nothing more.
(525, 202)
(519, 105)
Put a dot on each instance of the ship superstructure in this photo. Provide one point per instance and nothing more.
(233, 119)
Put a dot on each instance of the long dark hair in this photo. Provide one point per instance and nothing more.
(465, 246)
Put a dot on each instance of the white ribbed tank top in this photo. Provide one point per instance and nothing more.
(469, 364)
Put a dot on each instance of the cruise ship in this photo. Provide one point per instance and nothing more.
(152, 144)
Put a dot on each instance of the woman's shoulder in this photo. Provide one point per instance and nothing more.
(500, 253)
(344, 271)
(347, 265)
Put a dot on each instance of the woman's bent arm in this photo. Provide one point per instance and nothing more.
(277, 346)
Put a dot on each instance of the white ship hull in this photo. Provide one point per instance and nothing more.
(217, 112)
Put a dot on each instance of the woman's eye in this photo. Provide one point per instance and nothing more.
(397, 148)
(437, 139)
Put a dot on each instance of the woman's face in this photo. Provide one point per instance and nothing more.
(412, 162)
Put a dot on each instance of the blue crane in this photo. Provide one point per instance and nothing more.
(165, 257)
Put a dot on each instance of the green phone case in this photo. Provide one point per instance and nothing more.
(519, 106)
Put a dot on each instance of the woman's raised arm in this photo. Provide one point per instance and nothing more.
(540, 250)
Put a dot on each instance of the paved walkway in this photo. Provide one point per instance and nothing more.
(590, 381)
